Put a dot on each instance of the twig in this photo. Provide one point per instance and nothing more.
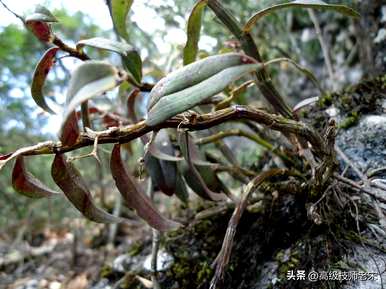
(351, 164)
(15, 14)
(114, 226)
(324, 47)
(234, 93)
(156, 238)
(154, 257)
(93, 153)
(261, 77)
(354, 185)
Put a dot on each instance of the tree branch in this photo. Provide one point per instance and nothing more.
(192, 122)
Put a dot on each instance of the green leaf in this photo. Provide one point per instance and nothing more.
(181, 187)
(133, 63)
(316, 4)
(39, 78)
(194, 73)
(193, 33)
(90, 79)
(119, 11)
(28, 185)
(134, 198)
(172, 104)
(69, 180)
(106, 44)
(130, 57)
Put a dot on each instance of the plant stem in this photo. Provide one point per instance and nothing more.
(262, 78)
(323, 45)
(125, 134)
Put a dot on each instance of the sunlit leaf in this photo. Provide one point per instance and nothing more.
(135, 199)
(70, 132)
(316, 4)
(193, 33)
(90, 79)
(304, 103)
(69, 180)
(119, 11)
(28, 185)
(106, 44)
(130, 57)
(39, 78)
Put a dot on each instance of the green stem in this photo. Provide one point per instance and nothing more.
(85, 115)
(262, 78)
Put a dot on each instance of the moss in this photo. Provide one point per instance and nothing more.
(106, 271)
(287, 260)
(135, 249)
(325, 100)
(131, 282)
(352, 102)
(351, 120)
(194, 249)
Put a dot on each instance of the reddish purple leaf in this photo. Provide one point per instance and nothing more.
(6, 156)
(131, 104)
(68, 178)
(70, 130)
(41, 30)
(39, 78)
(26, 184)
(135, 199)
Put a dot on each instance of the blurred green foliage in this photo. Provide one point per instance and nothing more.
(21, 122)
